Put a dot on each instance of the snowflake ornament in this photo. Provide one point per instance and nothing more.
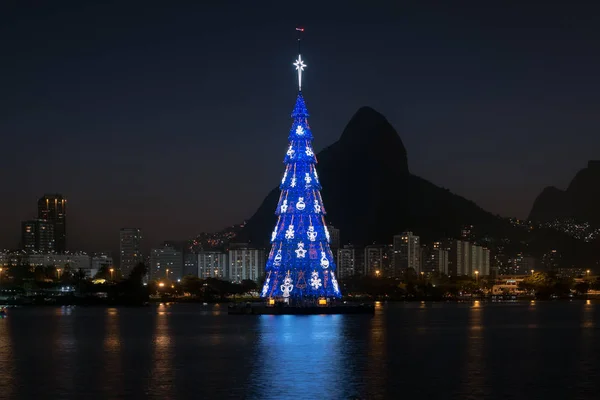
(324, 260)
(289, 234)
(300, 205)
(312, 235)
(284, 206)
(317, 207)
(299, 130)
(309, 151)
(315, 281)
(277, 259)
(287, 286)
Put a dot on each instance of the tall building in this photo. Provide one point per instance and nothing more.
(53, 208)
(407, 253)
(190, 264)
(212, 264)
(374, 260)
(130, 249)
(37, 235)
(245, 263)
(346, 262)
(455, 258)
(435, 259)
(166, 263)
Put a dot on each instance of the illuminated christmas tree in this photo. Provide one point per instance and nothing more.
(300, 265)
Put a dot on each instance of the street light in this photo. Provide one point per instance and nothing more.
(1, 269)
(167, 273)
(477, 276)
(111, 273)
(587, 273)
(58, 272)
(377, 272)
(531, 272)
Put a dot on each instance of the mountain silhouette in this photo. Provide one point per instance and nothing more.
(580, 200)
(370, 195)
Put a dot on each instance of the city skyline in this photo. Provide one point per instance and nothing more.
(475, 111)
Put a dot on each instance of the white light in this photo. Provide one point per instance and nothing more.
(290, 151)
(300, 205)
(299, 64)
(284, 206)
(315, 281)
(309, 151)
(274, 234)
(265, 287)
(277, 259)
(284, 176)
(324, 260)
(318, 210)
(299, 130)
(334, 281)
(287, 286)
(312, 235)
(289, 234)
(307, 178)
(300, 251)
(293, 184)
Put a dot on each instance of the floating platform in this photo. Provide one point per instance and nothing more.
(263, 309)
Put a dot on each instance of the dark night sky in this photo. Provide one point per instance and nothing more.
(175, 119)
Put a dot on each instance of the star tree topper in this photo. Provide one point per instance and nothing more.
(299, 64)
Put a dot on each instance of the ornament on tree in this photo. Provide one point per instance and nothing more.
(312, 235)
(290, 151)
(326, 233)
(300, 205)
(317, 206)
(284, 176)
(287, 286)
(274, 234)
(299, 130)
(301, 284)
(293, 184)
(325, 279)
(324, 260)
(265, 287)
(289, 234)
(315, 281)
(334, 282)
(277, 259)
(284, 206)
(312, 252)
(300, 251)
(307, 179)
(316, 176)
(309, 151)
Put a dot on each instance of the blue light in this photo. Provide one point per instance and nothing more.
(300, 264)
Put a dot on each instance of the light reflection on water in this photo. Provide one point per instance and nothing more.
(304, 353)
(451, 351)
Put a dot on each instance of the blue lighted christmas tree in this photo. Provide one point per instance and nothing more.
(300, 265)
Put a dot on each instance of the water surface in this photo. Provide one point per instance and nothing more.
(433, 351)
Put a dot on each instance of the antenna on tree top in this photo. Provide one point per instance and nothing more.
(300, 31)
